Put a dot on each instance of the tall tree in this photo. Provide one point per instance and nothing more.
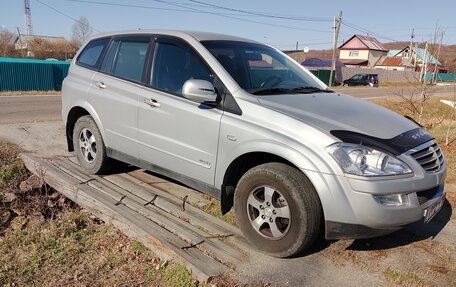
(81, 30)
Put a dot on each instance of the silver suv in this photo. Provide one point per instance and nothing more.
(242, 122)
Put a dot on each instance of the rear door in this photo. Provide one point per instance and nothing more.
(176, 134)
(117, 88)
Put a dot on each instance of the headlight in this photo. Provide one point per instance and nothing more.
(365, 161)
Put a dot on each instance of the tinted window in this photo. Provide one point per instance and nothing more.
(91, 55)
(174, 65)
(255, 66)
(106, 66)
(130, 60)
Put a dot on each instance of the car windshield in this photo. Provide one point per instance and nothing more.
(261, 70)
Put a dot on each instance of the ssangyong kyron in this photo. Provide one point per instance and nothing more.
(242, 122)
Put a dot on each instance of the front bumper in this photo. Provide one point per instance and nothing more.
(354, 212)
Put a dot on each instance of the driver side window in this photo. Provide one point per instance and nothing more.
(173, 65)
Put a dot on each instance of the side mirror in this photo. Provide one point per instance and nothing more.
(199, 91)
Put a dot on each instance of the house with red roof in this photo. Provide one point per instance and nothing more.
(361, 50)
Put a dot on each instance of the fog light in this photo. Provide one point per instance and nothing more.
(392, 199)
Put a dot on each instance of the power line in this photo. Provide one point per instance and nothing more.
(262, 14)
(194, 10)
(130, 5)
(64, 14)
(363, 30)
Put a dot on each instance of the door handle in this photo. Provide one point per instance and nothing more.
(100, 84)
(152, 102)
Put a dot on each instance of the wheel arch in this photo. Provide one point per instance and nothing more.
(73, 115)
(245, 161)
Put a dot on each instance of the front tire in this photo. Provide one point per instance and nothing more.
(278, 209)
(89, 146)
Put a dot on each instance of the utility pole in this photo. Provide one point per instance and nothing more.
(337, 22)
(297, 45)
(28, 17)
(424, 66)
(412, 36)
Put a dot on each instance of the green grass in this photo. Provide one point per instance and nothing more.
(7, 173)
(177, 276)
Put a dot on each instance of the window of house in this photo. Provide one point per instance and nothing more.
(91, 55)
(353, 53)
(174, 65)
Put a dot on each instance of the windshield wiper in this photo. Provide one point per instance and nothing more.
(308, 90)
(272, 91)
(298, 90)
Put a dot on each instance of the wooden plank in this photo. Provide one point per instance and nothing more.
(213, 247)
(193, 235)
(193, 197)
(163, 242)
(94, 181)
(173, 205)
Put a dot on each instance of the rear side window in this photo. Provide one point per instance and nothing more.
(126, 58)
(130, 60)
(91, 55)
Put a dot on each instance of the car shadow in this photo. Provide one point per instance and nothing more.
(414, 232)
(117, 167)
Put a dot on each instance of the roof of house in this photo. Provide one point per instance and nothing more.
(24, 38)
(394, 62)
(353, 61)
(317, 62)
(421, 53)
(393, 53)
(360, 42)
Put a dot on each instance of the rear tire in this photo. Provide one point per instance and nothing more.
(89, 146)
(278, 209)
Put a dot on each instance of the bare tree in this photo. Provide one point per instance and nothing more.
(450, 125)
(417, 96)
(60, 49)
(6, 42)
(81, 30)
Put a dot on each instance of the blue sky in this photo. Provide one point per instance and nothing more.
(310, 24)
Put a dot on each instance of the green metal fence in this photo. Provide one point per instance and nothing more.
(445, 77)
(18, 74)
(323, 75)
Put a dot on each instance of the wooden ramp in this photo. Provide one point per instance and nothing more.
(161, 215)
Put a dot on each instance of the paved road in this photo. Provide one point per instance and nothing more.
(20, 109)
(371, 93)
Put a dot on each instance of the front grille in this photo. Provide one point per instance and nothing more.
(427, 194)
(429, 156)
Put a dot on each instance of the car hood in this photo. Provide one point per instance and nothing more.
(332, 111)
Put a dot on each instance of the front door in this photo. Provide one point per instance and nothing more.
(176, 134)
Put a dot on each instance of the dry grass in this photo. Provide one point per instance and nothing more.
(213, 208)
(435, 118)
(46, 240)
(21, 93)
(402, 84)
